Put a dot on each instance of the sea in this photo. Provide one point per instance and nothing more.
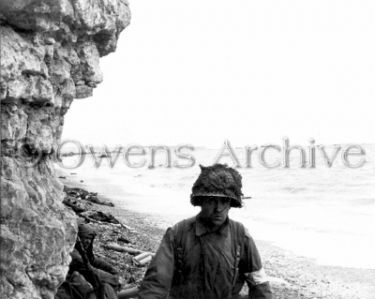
(326, 213)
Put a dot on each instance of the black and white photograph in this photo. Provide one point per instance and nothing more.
(187, 149)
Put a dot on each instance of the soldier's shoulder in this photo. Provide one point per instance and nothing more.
(184, 224)
(236, 224)
(240, 227)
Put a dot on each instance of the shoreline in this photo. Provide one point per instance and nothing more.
(291, 276)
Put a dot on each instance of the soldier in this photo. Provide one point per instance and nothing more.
(209, 255)
(89, 277)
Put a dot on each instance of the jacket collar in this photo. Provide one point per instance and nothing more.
(201, 228)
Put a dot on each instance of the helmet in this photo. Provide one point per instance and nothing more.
(86, 231)
(218, 180)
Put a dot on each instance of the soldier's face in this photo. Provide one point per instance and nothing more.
(86, 242)
(215, 210)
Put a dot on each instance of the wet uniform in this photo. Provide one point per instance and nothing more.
(193, 262)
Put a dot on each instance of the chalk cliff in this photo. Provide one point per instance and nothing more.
(50, 52)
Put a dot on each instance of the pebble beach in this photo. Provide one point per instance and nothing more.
(291, 276)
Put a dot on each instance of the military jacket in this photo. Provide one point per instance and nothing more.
(194, 262)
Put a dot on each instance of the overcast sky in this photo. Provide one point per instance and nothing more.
(252, 72)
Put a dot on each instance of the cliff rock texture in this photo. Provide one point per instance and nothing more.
(50, 53)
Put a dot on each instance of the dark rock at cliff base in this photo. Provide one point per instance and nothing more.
(85, 195)
(76, 204)
(82, 203)
(100, 216)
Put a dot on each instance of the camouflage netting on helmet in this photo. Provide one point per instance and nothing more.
(220, 181)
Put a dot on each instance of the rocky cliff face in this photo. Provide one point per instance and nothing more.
(50, 53)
